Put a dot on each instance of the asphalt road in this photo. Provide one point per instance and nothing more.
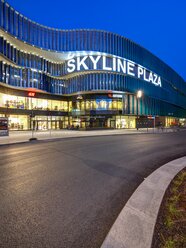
(68, 193)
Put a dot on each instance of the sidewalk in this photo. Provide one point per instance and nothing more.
(24, 136)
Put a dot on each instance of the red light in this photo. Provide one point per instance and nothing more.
(150, 117)
(31, 94)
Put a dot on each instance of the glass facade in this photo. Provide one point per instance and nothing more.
(39, 123)
(37, 57)
(18, 122)
(28, 103)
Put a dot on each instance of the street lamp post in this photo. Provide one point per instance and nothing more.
(50, 115)
(138, 95)
(123, 103)
(32, 121)
(154, 122)
(31, 95)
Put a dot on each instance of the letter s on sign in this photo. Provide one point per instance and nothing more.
(71, 66)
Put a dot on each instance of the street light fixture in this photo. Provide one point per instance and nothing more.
(138, 95)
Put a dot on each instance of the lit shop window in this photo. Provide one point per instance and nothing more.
(94, 105)
(70, 106)
(55, 105)
(110, 105)
(82, 105)
(132, 123)
(64, 106)
(10, 101)
(59, 106)
(19, 102)
(114, 104)
(125, 122)
(121, 123)
(120, 105)
(78, 105)
(91, 104)
(38, 104)
(87, 105)
(18, 122)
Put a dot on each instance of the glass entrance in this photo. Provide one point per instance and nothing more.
(56, 125)
(112, 123)
(43, 125)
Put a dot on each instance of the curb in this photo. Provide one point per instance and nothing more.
(134, 227)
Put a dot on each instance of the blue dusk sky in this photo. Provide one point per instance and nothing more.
(158, 25)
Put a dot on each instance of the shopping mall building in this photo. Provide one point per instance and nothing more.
(51, 79)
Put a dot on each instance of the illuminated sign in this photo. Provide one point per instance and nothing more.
(117, 96)
(151, 117)
(112, 64)
(31, 94)
(103, 104)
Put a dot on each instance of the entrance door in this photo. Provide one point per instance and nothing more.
(57, 125)
(60, 124)
(54, 125)
(41, 125)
